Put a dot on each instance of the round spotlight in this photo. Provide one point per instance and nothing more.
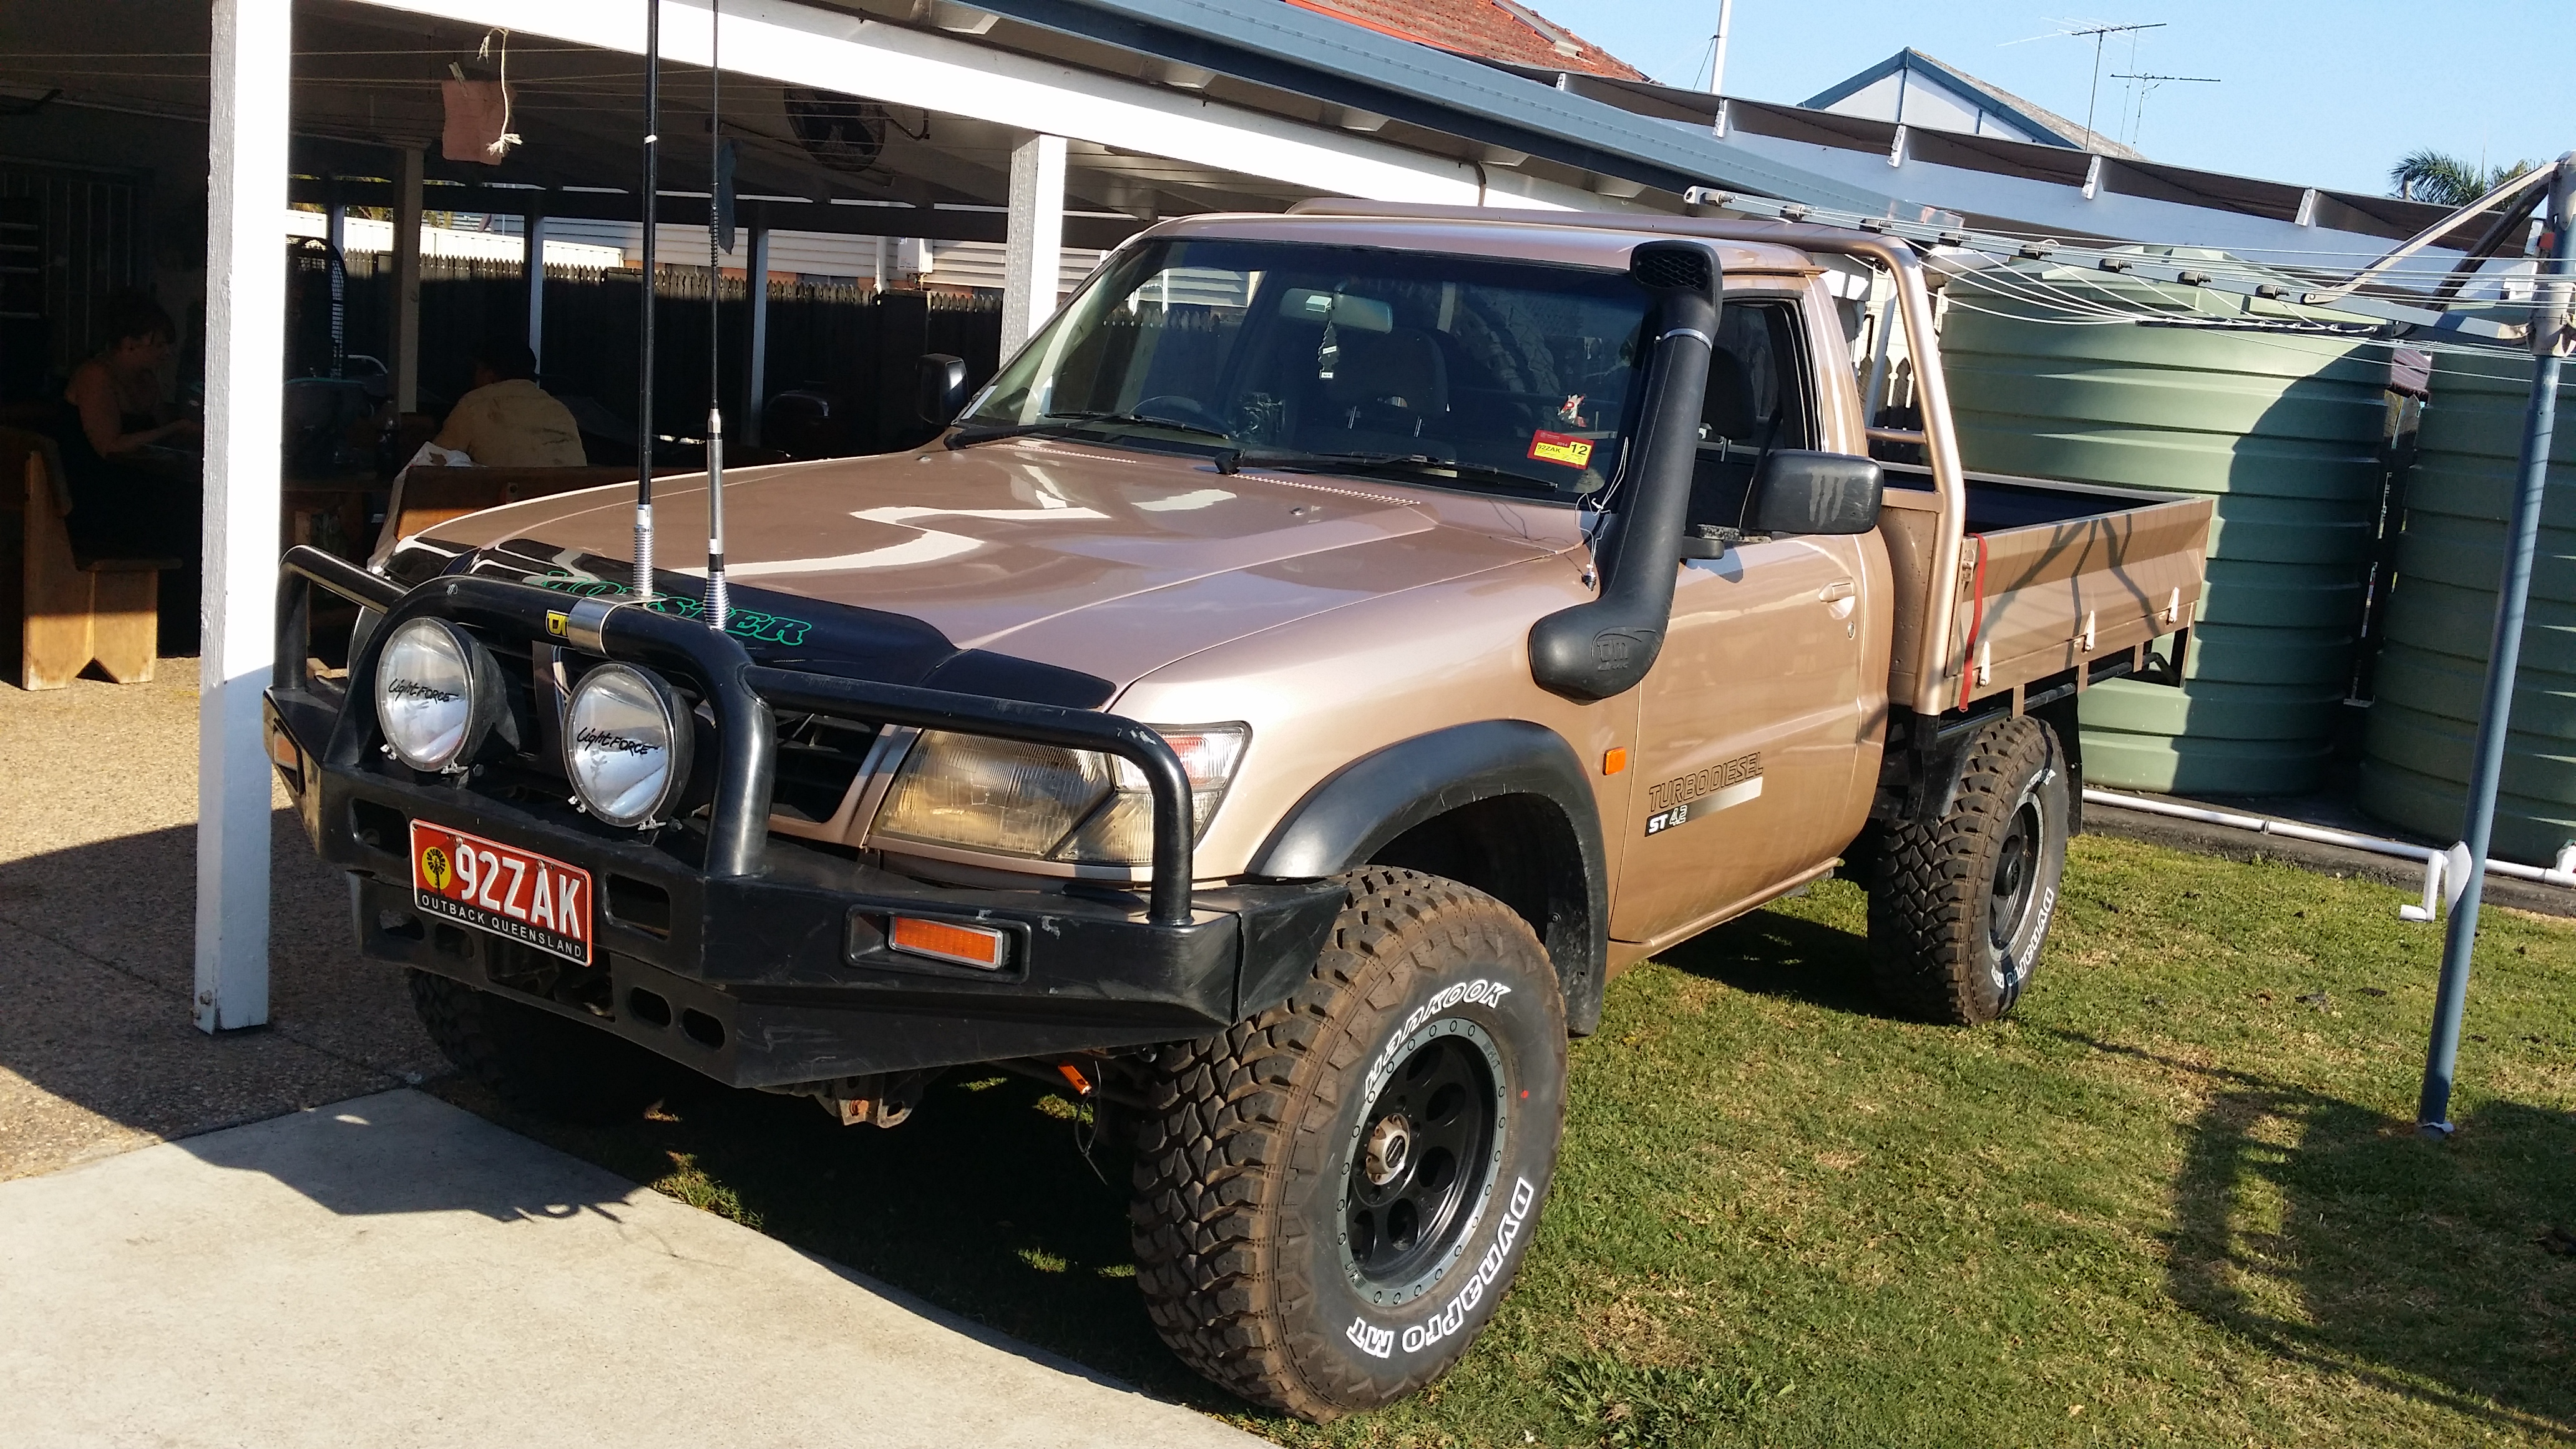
(626, 744)
(432, 701)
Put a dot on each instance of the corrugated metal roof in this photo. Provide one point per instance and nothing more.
(1328, 60)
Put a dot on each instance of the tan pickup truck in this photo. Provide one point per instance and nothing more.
(1329, 651)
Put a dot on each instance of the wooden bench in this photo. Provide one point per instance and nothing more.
(427, 497)
(66, 611)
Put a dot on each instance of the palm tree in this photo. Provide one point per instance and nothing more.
(2445, 180)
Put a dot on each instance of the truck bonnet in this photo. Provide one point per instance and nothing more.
(1038, 569)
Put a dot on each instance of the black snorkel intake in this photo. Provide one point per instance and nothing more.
(1604, 648)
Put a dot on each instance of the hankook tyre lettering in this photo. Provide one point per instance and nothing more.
(1255, 1161)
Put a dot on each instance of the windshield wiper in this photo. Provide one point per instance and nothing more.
(1059, 422)
(1144, 420)
(1398, 464)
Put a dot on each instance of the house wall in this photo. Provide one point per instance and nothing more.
(1911, 98)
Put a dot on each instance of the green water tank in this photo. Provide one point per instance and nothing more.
(2277, 413)
(2431, 675)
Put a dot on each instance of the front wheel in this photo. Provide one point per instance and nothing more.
(1332, 1197)
(1959, 907)
(537, 1061)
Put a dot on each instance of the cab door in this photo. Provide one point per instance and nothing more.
(1750, 725)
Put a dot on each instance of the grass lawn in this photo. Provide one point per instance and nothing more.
(2178, 1199)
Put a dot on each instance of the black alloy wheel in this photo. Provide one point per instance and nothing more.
(1422, 1164)
(2016, 877)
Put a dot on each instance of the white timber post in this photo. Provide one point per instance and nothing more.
(245, 397)
(533, 268)
(755, 290)
(1033, 260)
(407, 283)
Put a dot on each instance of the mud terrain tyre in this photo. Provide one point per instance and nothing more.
(1960, 906)
(534, 1060)
(1332, 1197)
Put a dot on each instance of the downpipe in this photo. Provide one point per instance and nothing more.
(1596, 650)
(2444, 870)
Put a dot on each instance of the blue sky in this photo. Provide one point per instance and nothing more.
(2317, 93)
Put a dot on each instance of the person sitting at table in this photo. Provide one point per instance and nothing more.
(135, 479)
(118, 392)
(508, 421)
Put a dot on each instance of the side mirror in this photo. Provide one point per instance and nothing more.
(1803, 492)
(940, 393)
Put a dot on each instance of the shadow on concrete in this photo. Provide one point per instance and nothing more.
(96, 975)
(2336, 1237)
(984, 1204)
(404, 1152)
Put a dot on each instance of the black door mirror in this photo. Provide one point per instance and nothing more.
(941, 393)
(1803, 492)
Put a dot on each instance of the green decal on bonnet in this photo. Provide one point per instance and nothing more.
(748, 623)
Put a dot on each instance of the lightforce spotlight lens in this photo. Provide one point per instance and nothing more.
(426, 699)
(626, 744)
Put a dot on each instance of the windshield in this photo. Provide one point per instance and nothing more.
(1463, 372)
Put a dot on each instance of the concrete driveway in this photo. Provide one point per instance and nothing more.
(391, 1270)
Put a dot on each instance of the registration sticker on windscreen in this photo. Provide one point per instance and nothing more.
(1561, 448)
(515, 894)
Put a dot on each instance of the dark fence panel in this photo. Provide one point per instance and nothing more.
(853, 348)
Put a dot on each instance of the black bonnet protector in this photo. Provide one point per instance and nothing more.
(784, 631)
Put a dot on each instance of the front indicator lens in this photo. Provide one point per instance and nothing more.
(426, 695)
(977, 946)
(971, 792)
(627, 738)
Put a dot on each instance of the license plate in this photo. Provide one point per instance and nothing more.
(515, 894)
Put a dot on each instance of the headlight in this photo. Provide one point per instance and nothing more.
(433, 701)
(970, 792)
(626, 744)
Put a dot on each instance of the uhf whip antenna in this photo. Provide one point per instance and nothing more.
(644, 348)
(718, 607)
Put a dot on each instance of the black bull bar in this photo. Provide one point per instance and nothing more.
(781, 948)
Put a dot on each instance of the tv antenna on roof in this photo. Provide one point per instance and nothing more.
(2099, 34)
(2148, 88)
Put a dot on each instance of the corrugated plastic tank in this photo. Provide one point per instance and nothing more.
(2281, 423)
(2431, 675)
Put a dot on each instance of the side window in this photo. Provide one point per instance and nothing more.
(1758, 400)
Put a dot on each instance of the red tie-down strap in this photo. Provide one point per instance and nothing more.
(1976, 623)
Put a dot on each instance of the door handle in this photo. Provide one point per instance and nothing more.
(1835, 592)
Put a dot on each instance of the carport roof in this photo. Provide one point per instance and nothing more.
(365, 75)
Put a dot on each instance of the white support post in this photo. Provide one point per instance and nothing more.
(245, 368)
(532, 267)
(755, 291)
(1033, 239)
(407, 283)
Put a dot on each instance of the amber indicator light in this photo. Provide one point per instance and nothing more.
(941, 941)
(1614, 761)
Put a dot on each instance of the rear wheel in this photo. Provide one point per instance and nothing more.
(1959, 907)
(1332, 1197)
(537, 1061)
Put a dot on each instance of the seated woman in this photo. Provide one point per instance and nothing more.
(134, 493)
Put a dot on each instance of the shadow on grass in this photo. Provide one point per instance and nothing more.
(2333, 1236)
(982, 1204)
(1771, 954)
